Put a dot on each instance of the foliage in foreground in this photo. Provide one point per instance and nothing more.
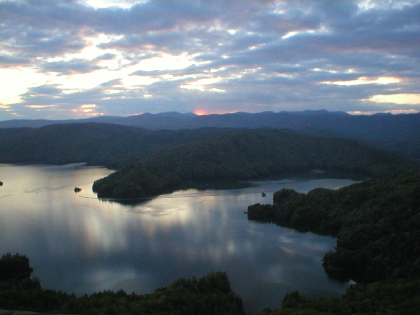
(384, 297)
(208, 295)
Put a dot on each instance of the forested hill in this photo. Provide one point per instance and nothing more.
(242, 155)
(93, 143)
(399, 133)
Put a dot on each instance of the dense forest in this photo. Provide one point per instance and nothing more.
(91, 143)
(245, 155)
(210, 294)
(377, 225)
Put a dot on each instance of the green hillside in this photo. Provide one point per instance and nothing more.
(245, 155)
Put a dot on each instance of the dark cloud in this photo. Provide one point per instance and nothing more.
(254, 54)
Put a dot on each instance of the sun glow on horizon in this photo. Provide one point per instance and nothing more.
(200, 112)
(203, 112)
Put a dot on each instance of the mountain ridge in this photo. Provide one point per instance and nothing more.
(399, 133)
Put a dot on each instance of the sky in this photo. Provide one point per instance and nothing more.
(66, 59)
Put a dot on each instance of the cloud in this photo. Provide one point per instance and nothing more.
(70, 67)
(127, 57)
(42, 28)
(366, 80)
(402, 98)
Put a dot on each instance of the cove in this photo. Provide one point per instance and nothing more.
(80, 244)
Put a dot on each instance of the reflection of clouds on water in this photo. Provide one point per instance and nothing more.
(107, 235)
(42, 189)
(83, 244)
(156, 209)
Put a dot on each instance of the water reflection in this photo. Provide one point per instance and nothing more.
(80, 244)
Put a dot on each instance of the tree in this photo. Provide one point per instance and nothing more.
(14, 267)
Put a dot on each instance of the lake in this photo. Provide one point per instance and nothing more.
(80, 244)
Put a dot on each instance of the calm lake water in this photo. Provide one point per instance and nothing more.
(80, 244)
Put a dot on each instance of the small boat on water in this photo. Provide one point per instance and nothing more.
(77, 189)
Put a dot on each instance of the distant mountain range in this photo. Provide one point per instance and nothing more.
(399, 133)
